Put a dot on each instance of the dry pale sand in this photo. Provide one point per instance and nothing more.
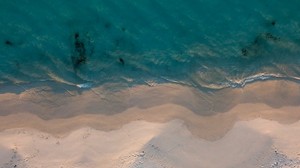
(161, 126)
(256, 143)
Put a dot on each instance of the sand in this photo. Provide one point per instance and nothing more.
(165, 125)
(256, 143)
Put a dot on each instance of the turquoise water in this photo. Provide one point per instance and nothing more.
(206, 44)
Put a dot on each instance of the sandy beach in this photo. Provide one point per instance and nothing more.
(149, 84)
(165, 125)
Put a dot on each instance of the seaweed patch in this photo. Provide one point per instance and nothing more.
(80, 52)
(270, 36)
(244, 51)
(122, 61)
(259, 43)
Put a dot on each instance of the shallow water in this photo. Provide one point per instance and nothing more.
(205, 44)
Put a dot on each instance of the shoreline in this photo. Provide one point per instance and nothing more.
(57, 100)
(160, 126)
(205, 127)
(40, 108)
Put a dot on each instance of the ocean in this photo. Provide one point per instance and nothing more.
(206, 44)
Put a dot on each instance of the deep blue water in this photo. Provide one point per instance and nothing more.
(202, 43)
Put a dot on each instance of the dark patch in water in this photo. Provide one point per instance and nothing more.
(107, 25)
(270, 36)
(122, 61)
(123, 29)
(80, 57)
(273, 23)
(256, 40)
(76, 36)
(258, 44)
(9, 43)
(244, 51)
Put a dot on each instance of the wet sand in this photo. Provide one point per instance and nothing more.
(164, 125)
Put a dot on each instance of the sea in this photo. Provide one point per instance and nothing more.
(206, 44)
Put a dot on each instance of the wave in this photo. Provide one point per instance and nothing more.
(151, 42)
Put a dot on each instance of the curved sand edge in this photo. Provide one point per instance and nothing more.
(48, 104)
(161, 126)
(59, 113)
(206, 127)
